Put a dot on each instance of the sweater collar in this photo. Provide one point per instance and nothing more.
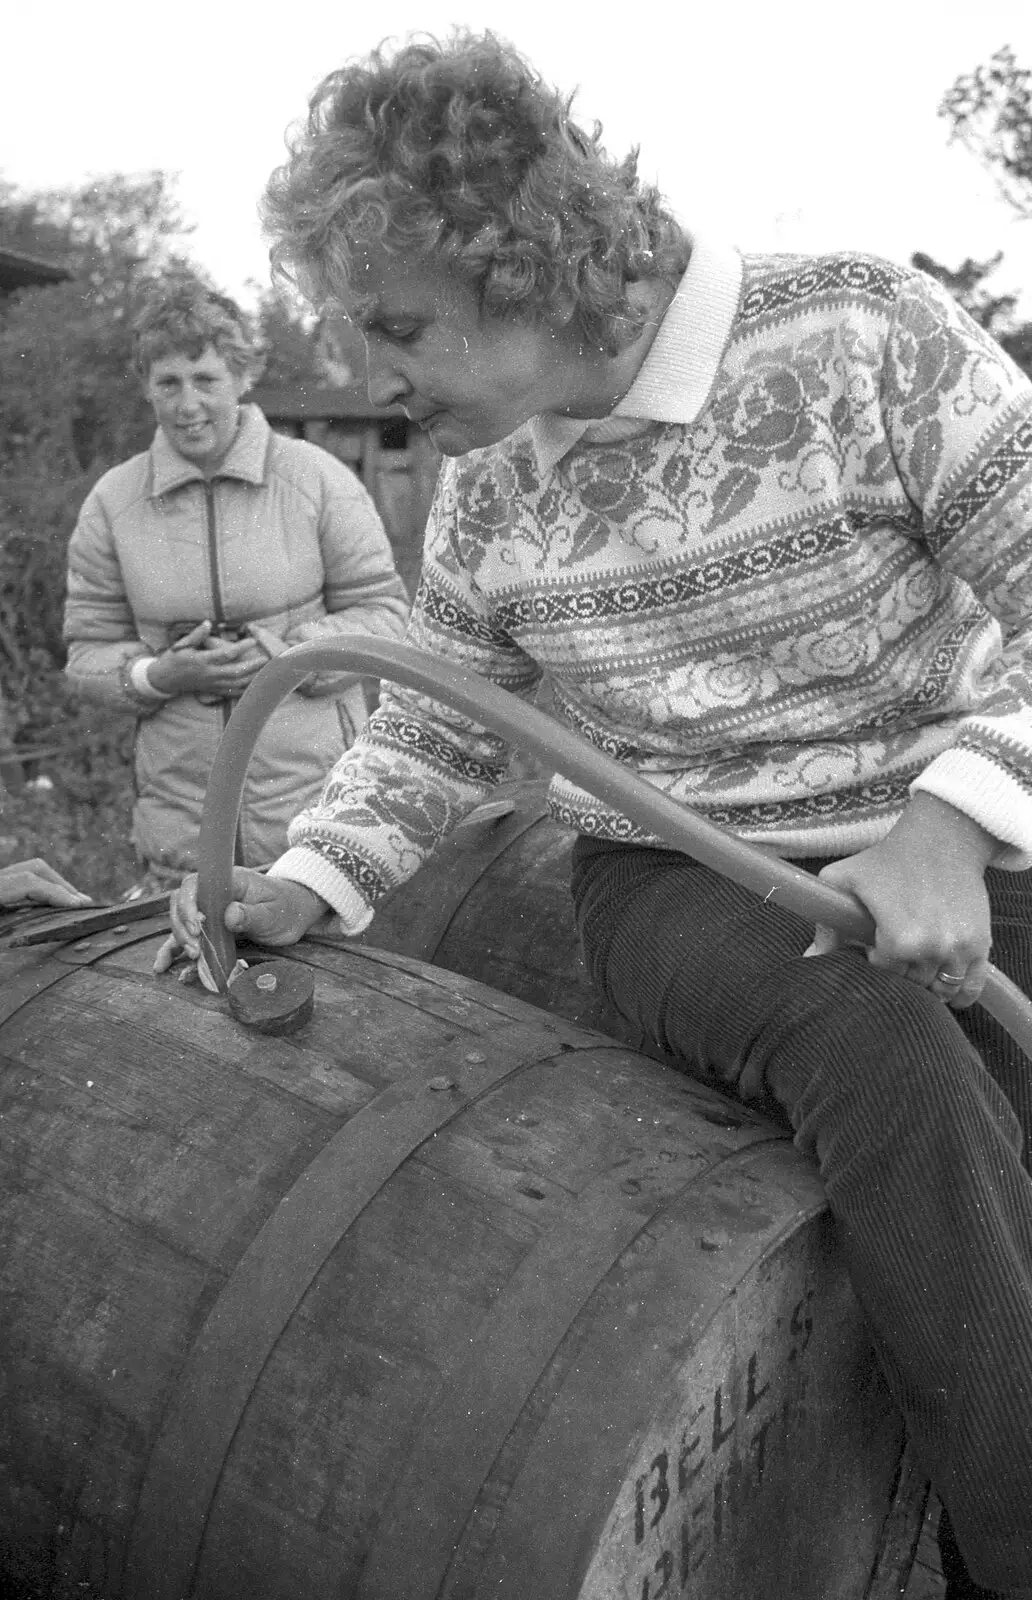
(675, 379)
(246, 458)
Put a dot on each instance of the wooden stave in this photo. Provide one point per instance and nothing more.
(493, 903)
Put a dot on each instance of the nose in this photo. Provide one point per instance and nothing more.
(188, 400)
(386, 386)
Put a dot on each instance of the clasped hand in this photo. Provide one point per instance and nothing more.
(203, 664)
(924, 886)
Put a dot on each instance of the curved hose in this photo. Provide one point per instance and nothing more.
(520, 724)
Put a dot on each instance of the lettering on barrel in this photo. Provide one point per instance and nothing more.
(714, 1475)
(705, 1477)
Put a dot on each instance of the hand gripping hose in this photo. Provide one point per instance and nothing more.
(566, 752)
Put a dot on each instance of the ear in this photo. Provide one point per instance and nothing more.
(250, 376)
(561, 312)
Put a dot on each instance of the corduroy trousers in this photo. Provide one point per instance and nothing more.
(919, 1117)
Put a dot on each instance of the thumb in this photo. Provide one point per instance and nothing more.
(244, 910)
(239, 916)
(825, 940)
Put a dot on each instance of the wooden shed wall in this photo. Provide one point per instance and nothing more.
(395, 461)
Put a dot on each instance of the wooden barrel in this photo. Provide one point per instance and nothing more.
(441, 1296)
(494, 903)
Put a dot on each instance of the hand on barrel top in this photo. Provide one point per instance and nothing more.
(36, 881)
(269, 910)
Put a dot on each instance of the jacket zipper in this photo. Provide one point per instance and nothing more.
(213, 552)
(219, 616)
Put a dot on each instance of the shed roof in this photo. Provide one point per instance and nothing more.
(18, 270)
(301, 402)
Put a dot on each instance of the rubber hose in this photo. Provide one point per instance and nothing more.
(753, 867)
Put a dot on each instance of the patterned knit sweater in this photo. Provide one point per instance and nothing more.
(789, 580)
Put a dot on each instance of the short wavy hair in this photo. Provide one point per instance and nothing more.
(181, 315)
(458, 150)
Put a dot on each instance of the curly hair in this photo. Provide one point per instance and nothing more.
(179, 314)
(460, 150)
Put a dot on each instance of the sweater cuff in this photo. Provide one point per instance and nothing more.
(973, 783)
(312, 870)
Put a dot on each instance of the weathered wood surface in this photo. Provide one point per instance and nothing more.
(926, 1581)
(494, 903)
(440, 1296)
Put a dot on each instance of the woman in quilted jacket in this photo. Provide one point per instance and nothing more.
(194, 562)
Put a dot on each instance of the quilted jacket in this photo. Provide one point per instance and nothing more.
(283, 543)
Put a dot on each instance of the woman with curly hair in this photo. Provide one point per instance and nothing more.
(764, 524)
(193, 563)
(547, 266)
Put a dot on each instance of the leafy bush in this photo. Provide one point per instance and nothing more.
(70, 407)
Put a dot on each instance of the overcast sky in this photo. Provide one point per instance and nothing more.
(807, 125)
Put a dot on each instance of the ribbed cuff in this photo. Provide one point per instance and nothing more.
(141, 682)
(983, 791)
(315, 872)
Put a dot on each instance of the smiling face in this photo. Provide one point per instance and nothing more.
(467, 379)
(197, 403)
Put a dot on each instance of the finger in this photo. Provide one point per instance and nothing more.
(232, 682)
(824, 941)
(959, 995)
(225, 650)
(167, 954)
(917, 952)
(58, 894)
(262, 923)
(25, 885)
(246, 666)
(41, 869)
(79, 896)
(956, 978)
(187, 920)
(898, 965)
(272, 911)
(247, 910)
(186, 943)
(193, 639)
(228, 676)
(44, 881)
(975, 982)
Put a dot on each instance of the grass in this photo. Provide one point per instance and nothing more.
(74, 804)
